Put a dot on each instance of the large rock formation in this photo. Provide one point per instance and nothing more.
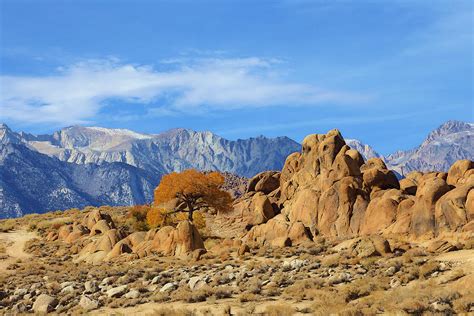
(331, 191)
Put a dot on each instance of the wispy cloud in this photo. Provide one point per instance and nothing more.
(78, 92)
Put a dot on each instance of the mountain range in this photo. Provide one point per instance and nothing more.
(79, 166)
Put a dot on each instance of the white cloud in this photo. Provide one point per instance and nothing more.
(77, 93)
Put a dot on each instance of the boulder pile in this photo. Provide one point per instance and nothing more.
(328, 189)
(99, 239)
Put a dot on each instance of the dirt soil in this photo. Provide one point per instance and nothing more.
(14, 242)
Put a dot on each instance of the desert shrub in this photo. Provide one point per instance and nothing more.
(7, 225)
(326, 302)
(136, 218)
(369, 262)
(223, 292)
(186, 295)
(331, 260)
(303, 289)
(54, 223)
(463, 304)
(279, 310)
(414, 306)
(32, 227)
(315, 249)
(357, 289)
(410, 273)
(247, 297)
(138, 212)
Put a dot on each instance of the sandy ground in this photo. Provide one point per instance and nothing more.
(203, 308)
(15, 244)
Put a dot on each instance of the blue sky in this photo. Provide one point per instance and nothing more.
(385, 72)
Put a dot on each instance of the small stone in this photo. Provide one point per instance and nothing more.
(91, 287)
(20, 292)
(156, 280)
(132, 294)
(66, 284)
(36, 286)
(117, 291)
(339, 278)
(20, 308)
(88, 304)
(196, 283)
(168, 287)
(361, 271)
(441, 307)
(395, 283)
(443, 266)
(293, 264)
(390, 271)
(68, 289)
(107, 281)
(44, 304)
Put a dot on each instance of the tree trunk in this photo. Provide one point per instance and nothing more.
(190, 211)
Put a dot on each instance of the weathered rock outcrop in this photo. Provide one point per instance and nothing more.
(329, 190)
(98, 239)
(178, 241)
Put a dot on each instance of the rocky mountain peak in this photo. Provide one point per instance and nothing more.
(449, 128)
(7, 135)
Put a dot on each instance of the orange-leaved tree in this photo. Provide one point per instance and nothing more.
(193, 191)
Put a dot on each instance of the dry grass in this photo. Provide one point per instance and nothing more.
(428, 268)
(304, 289)
(7, 225)
(167, 311)
(247, 297)
(331, 260)
(279, 310)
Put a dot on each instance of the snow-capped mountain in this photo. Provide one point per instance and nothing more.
(175, 150)
(365, 150)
